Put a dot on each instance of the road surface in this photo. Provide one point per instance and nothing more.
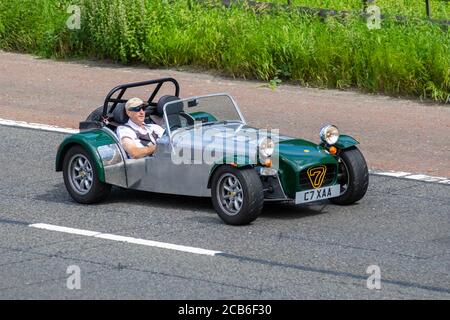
(319, 251)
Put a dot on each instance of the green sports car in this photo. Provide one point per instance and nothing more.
(208, 150)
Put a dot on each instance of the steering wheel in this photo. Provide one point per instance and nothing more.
(189, 119)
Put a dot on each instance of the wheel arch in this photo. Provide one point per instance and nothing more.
(346, 142)
(89, 145)
(219, 165)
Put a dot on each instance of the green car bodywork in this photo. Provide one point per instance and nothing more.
(90, 141)
(344, 142)
(297, 155)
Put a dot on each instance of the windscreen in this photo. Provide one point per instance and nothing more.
(213, 109)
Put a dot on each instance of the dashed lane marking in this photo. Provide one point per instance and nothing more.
(113, 237)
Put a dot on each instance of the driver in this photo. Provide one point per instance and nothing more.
(137, 137)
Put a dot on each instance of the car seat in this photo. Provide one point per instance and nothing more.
(119, 115)
(176, 116)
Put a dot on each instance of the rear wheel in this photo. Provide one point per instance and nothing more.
(353, 176)
(237, 195)
(81, 177)
(95, 115)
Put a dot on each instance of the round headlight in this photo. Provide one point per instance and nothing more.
(329, 134)
(266, 148)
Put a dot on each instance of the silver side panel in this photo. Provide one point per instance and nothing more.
(115, 175)
(159, 174)
(113, 161)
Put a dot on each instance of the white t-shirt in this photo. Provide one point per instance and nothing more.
(123, 131)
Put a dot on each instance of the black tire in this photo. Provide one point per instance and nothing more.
(95, 115)
(79, 191)
(251, 194)
(354, 177)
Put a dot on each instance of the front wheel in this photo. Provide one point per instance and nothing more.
(237, 195)
(353, 176)
(81, 177)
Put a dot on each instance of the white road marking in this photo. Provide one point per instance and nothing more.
(411, 176)
(416, 177)
(80, 232)
(395, 174)
(158, 244)
(37, 126)
(144, 242)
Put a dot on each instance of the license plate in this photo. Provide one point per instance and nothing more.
(317, 194)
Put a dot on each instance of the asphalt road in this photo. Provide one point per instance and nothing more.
(309, 252)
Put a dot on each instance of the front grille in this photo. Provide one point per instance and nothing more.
(305, 183)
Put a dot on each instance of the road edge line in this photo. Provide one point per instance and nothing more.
(411, 176)
(36, 126)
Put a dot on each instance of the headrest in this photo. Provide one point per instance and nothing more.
(119, 114)
(172, 108)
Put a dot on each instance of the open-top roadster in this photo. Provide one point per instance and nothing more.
(208, 150)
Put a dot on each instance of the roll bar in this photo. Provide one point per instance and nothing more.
(111, 103)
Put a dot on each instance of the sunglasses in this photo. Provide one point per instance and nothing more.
(138, 108)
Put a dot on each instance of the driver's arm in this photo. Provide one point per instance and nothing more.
(136, 152)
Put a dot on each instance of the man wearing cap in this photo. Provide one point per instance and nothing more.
(137, 137)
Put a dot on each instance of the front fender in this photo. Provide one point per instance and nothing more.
(344, 142)
(90, 141)
(237, 161)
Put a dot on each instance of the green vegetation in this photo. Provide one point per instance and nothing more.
(410, 58)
